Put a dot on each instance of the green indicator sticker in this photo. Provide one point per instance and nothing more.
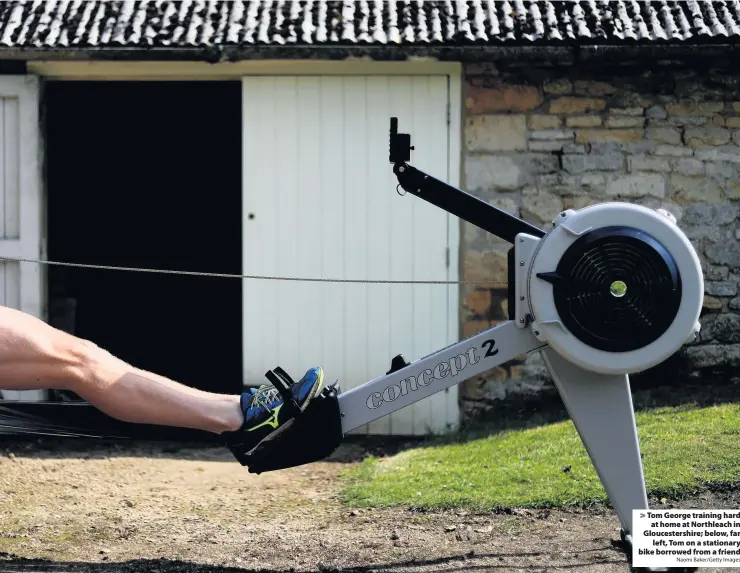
(618, 289)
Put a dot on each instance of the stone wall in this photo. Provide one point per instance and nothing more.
(540, 139)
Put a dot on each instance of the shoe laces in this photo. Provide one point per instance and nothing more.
(264, 396)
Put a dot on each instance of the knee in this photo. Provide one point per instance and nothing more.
(94, 367)
(82, 358)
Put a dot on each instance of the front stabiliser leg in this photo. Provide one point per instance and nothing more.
(600, 406)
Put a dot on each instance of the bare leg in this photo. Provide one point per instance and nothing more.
(36, 356)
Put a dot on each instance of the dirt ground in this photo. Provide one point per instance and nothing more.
(162, 508)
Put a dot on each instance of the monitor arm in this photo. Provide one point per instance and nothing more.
(453, 200)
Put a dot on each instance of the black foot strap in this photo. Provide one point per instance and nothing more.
(284, 375)
(280, 380)
(309, 436)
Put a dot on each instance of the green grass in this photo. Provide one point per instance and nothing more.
(685, 450)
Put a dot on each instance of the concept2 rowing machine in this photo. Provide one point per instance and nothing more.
(609, 290)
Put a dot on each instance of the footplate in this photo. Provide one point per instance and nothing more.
(309, 436)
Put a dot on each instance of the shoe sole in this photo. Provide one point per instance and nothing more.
(315, 390)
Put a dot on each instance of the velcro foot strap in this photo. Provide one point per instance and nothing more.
(284, 375)
(309, 437)
(280, 380)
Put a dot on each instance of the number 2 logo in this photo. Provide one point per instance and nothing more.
(490, 346)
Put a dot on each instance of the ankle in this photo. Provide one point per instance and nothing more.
(233, 417)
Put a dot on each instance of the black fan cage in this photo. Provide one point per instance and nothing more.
(616, 289)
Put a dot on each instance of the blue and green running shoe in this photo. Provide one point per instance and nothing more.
(266, 409)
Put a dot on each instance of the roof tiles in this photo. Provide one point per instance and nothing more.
(60, 24)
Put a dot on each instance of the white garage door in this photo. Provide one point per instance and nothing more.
(320, 202)
(20, 207)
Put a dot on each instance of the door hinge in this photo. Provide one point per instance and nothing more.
(448, 113)
(447, 257)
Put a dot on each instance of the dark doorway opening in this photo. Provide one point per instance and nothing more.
(148, 175)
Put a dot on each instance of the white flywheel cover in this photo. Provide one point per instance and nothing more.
(569, 226)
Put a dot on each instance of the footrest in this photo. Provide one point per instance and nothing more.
(310, 436)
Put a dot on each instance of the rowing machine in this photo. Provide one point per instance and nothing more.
(609, 290)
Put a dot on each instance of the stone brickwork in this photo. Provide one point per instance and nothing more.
(539, 140)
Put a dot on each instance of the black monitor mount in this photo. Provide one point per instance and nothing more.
(451, 199)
